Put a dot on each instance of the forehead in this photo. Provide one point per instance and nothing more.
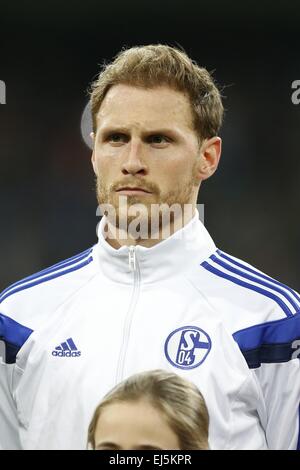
(126, 105)
(133, 421)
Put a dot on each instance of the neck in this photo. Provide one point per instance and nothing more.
(117, 237)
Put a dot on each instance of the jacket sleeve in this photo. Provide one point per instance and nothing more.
(12, 336)
(272, 351)
(9, 436)
(280, 385)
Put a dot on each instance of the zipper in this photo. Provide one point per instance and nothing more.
(134, 266)
(132, 258)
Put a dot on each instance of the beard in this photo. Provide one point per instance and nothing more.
(144, 217)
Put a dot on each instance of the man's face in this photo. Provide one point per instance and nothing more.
(145, 139)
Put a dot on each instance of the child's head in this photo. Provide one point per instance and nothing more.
(155, 409)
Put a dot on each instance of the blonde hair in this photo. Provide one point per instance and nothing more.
(177, 399)
(156, 65)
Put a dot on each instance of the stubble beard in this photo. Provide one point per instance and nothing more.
(154, 212)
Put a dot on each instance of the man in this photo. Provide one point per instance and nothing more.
(151, 294)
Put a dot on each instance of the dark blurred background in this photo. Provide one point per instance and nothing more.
(49, 53)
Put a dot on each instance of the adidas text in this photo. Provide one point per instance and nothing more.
(66, 353)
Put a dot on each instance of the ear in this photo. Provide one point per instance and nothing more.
(210, 153)
(93, 159)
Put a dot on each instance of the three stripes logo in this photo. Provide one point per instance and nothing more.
(66, 349)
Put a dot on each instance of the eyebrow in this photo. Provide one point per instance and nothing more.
(111, 445)
(122, 129)
(149, 447)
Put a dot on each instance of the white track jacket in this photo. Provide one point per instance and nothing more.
(70, 333)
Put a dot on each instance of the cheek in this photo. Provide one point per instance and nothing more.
(180, 171)
(178, 162)
(103, 166)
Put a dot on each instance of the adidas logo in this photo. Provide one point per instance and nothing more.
(66, 349)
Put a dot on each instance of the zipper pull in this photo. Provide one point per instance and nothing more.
(131, 258)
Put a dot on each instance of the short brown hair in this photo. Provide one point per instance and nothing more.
(179, 400)
(156, 65)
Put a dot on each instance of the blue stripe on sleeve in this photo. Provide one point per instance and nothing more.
(284, 330)
(14, 336)
(270, 342)
(45, 279)
(62, 264)
(267, 283)
(258, 273)
(249, 286)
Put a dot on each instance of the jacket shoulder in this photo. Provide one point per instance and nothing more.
(46, 289)
(246, 287)
(262, 313)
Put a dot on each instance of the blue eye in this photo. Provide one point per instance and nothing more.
(116, 137)
(158, 139)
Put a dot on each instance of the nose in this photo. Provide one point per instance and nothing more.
(134, 162)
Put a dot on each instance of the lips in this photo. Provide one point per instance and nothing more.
(127, 188)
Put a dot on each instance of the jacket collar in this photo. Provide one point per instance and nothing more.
(168, 258)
